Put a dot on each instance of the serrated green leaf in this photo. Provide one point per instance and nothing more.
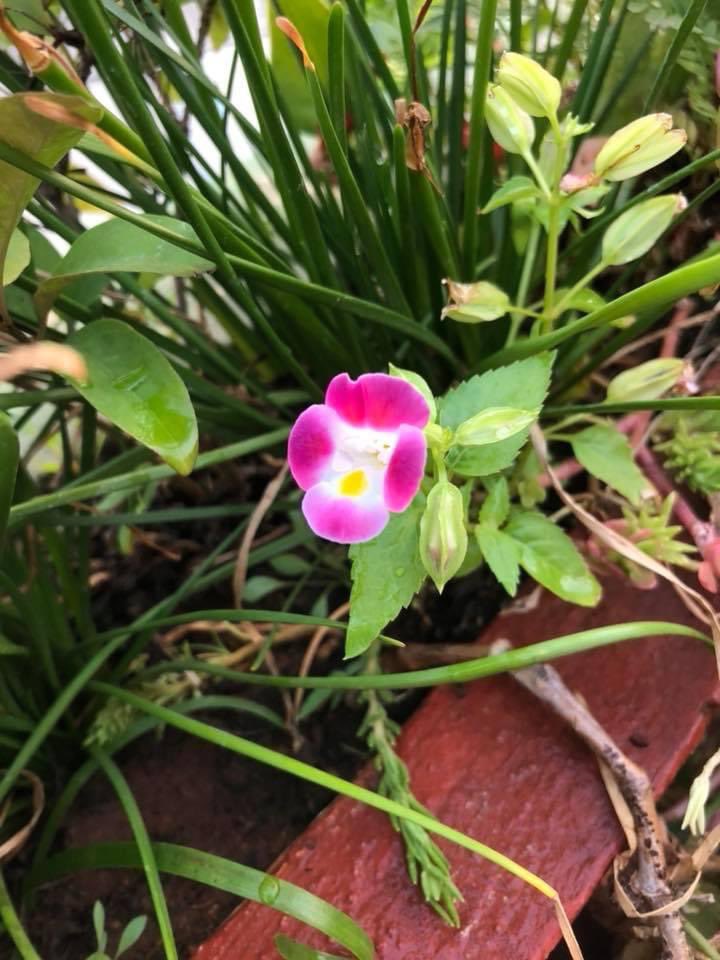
(496, 504)
(386, 574)
(514, 189)
(502, 555)
(551, 558)
(133, 384)
(607, 455)
(117, 246)
(522, 384)
(17, 257)
(38, 137)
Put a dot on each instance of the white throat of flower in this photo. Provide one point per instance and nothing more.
(360, 460)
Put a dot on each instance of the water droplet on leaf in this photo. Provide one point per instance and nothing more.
(269, 890)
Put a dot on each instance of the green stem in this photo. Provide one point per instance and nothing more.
(554, 229)
(147, 856)
(524, 285)
(464, 672)
(304, 771)
(12, 925)
(580, 285)
(699, 941)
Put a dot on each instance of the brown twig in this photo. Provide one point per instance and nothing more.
(646, 890)
(256, 518)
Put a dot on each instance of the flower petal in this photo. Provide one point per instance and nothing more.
(343, 519)
(405, 470)
(312, 444)
(377, 400)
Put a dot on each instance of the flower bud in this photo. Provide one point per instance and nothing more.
(648, 381)
(420, 384)
(638, 147)
(493, 424)
(443, 537)
(638, 229)
(475, 302)
(510, 126)
(535, 90)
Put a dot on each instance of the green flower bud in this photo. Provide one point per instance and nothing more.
(648, 381)
(443, 537)
(535, 90)
(510, 126)
(638, 229)
(475, 302)
(493, 424)
(420, 385)
(638, 147)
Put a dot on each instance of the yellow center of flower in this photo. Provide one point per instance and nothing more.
(354, 483)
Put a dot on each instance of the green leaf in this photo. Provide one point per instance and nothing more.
(523, 384)
(607, 455)
(386, 574)
(292, 950)
(16, 258)
(311, 19)
(132, 384)
(47, 141)
(9, 458)
(131, 934)
(99, 925)
(646, 381)
(514, 189)
(117, 246)
(551, 558)
(478, 302)
(222, 874)
(502, 554)
(496, 504)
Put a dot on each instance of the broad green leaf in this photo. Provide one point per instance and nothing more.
(9, 458)
(502, 554)
(17, 257)
(637, 230)
(47, 141)
(522, 384)
(132, 384)
(386, 574)
(292, 950)
(493, 424)
(117, 246)
(551, 558)
(516, 188)
(606, 454)
(311, 19)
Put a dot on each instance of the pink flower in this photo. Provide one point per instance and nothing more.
(360, 455)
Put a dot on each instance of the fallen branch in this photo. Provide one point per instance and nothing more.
(641, 880)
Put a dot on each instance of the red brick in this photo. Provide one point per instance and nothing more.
(490, 760)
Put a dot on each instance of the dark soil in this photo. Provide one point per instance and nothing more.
(192, 793)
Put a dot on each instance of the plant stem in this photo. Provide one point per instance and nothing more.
(580, 285)
(554, 228)
(13, 926)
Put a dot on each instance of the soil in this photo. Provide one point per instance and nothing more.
(192, 793)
